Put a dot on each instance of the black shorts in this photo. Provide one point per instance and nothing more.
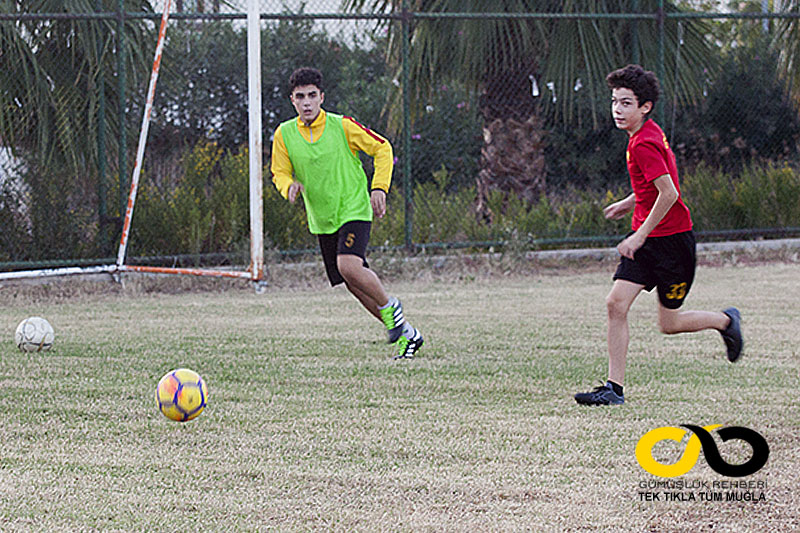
(352, 238)
(664, 262)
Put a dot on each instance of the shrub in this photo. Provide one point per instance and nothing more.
(15, 241)
(762, 196)
(206, 210)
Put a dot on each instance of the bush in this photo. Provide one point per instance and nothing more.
(763, 196)
(727, 130)
(15, 241)
(444, 213)
(184, 219)
(206, 210)
(59, 221)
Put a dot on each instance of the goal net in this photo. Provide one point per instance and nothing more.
(255, 271)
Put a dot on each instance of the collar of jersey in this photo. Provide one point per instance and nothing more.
(319, 121)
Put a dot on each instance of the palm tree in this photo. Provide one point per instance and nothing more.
(53, 74)
(52, 71)
(502, 58)
(787, 41)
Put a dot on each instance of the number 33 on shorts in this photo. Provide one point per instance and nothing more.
(677, 291)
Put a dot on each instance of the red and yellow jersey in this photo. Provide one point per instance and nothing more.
(649, 157)
(359, 139)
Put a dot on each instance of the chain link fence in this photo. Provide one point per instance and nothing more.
(502, 135)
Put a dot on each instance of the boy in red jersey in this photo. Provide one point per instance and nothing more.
(314, 156)
(660, 251)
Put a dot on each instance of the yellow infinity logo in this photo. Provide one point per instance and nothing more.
(701, 438)
(644, 451)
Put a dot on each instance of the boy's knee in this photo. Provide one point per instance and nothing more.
(348, 266)
(667, 325)
(666, 328)
(616, 308)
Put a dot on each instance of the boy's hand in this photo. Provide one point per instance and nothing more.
(629, 245)
(616, 210)
(378, 200)
(295, 188)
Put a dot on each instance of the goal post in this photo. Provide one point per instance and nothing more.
(137, 167)
(255, 271)
(255, 140)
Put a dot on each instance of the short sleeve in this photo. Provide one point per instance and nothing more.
(651, 160)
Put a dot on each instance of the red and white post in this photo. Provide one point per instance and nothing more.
(148, 108)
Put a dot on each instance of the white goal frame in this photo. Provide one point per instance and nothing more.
(255, 272)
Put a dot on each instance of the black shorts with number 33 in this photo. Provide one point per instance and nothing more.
(667, 263)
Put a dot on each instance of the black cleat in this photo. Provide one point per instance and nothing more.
(732, 335)
(408, 346)
(602, 395)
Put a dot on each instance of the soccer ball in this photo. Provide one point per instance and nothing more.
(181, 394)
(34, 334)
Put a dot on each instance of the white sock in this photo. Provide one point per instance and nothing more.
(392, 300)
(408, 331)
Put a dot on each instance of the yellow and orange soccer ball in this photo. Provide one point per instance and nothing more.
(181, 394)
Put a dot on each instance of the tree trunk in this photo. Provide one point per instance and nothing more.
(512, 157)
(512, 160)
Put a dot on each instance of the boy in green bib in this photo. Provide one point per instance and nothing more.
(315, 156)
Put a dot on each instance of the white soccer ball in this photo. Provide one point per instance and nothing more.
(34, 334)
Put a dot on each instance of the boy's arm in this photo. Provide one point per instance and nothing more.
(281, 165)
(361, 138)
(621, 208)
(667, 196)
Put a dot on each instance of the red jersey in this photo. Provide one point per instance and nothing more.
(649, 157)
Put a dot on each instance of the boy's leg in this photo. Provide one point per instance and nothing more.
(365, 285)
(350, 266)
(350, 243)
(343, 254)
(362, 283)
(727, 322)
(675, 270)
(672, 321)
(618, 303)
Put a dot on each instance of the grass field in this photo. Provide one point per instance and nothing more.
(311, 427)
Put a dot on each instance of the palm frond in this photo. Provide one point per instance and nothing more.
(49, 68)
(492, 53)
(787, 41)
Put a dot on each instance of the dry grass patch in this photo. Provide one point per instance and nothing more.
(310, 425)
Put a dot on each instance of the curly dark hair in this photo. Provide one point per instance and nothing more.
(305, 76)
(643, 83)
